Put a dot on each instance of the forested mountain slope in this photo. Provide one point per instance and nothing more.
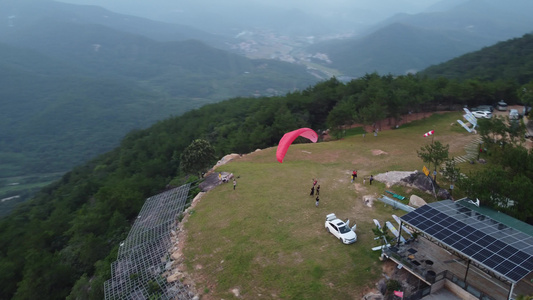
(509, 60)
(49, 112)
(77, 78)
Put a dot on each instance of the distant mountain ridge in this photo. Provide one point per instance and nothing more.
(76, 82)
(510, 60)
(406, 43)
(399, 49)
(28, 13)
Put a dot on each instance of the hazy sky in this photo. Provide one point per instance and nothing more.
(409, 6)
(185, 11)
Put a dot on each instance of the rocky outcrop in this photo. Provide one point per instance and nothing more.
(416, 201)
(425, 183)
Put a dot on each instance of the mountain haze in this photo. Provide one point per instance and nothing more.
(398, 49)
(296, 18)
(74, 79)
(411, 42)
(29, 13)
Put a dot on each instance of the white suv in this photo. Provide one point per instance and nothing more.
(482, 114)
(340, 230)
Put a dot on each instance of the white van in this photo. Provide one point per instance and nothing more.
(502, 105)
(513, 114)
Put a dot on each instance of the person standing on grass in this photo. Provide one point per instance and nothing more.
(312, 191)
(234, 183)
(316, 203)
(371, 179)
(318, 190)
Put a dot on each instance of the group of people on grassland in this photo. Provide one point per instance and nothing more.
(315, 188)
(226, 178)
(354, 176)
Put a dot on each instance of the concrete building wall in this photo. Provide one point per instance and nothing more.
(458, 291)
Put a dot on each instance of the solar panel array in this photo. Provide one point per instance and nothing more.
(144, 256)
(502, 249)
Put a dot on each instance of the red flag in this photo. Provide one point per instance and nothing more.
(429, 133)
(398, 293)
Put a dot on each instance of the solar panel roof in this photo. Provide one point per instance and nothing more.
(503, 249)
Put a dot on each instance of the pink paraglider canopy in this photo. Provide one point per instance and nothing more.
(289, 137)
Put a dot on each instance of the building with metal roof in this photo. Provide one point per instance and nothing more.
(493, 242)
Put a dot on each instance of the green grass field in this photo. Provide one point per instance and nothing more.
(267, 239)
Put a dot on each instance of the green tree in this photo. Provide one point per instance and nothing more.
(340, 116)
(525, 93)
(451, 171)
(197, 157)
(493, 130)
(435, 153)
(373, 102)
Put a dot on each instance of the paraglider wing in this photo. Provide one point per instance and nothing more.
(289, 137)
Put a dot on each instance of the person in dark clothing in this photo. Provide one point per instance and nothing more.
(371, 179)
(318, 190)
(312, 191)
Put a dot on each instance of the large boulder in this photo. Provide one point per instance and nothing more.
(416, 201)
(212, 180)
(420, 181)
(369, 200)
(226, 159)
(444, 194)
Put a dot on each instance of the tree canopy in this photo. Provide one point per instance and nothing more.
(197, 157)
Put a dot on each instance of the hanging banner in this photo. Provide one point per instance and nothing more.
(425, 170)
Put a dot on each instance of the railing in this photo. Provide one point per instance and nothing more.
(396, 204)
(426, 290)
(470, 288)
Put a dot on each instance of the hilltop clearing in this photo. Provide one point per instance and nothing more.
(266, 239)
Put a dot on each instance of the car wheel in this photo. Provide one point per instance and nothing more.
(327, 228)
(340, 239)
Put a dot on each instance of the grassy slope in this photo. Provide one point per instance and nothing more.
(268, 240)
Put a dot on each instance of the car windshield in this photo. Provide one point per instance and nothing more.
(344, 229)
